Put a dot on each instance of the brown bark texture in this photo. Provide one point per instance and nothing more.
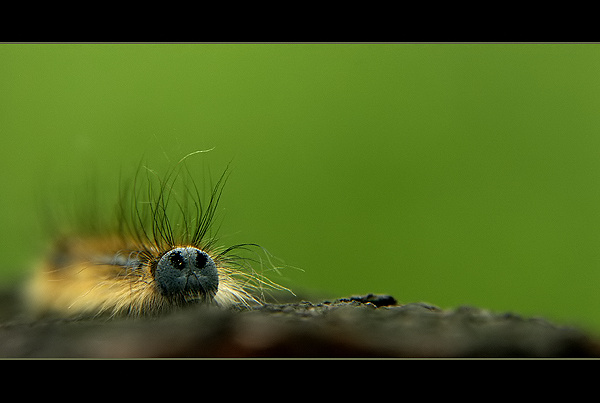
(373, 326)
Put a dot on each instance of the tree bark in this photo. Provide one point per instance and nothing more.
(361, 326)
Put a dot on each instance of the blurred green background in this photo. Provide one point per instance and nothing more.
(447, 173)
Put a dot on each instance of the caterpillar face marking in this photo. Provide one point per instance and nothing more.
(156, 256)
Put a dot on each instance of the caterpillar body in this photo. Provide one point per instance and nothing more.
(160, 254)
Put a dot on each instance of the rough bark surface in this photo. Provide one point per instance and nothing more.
(361, 326)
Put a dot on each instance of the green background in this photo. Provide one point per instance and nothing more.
(447, 173)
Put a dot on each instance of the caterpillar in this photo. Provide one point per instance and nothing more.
(159, 254)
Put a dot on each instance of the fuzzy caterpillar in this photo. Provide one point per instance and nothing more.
(159, 255)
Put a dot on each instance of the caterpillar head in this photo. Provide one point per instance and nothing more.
(187, 271)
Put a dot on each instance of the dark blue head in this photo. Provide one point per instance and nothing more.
(187, 271)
